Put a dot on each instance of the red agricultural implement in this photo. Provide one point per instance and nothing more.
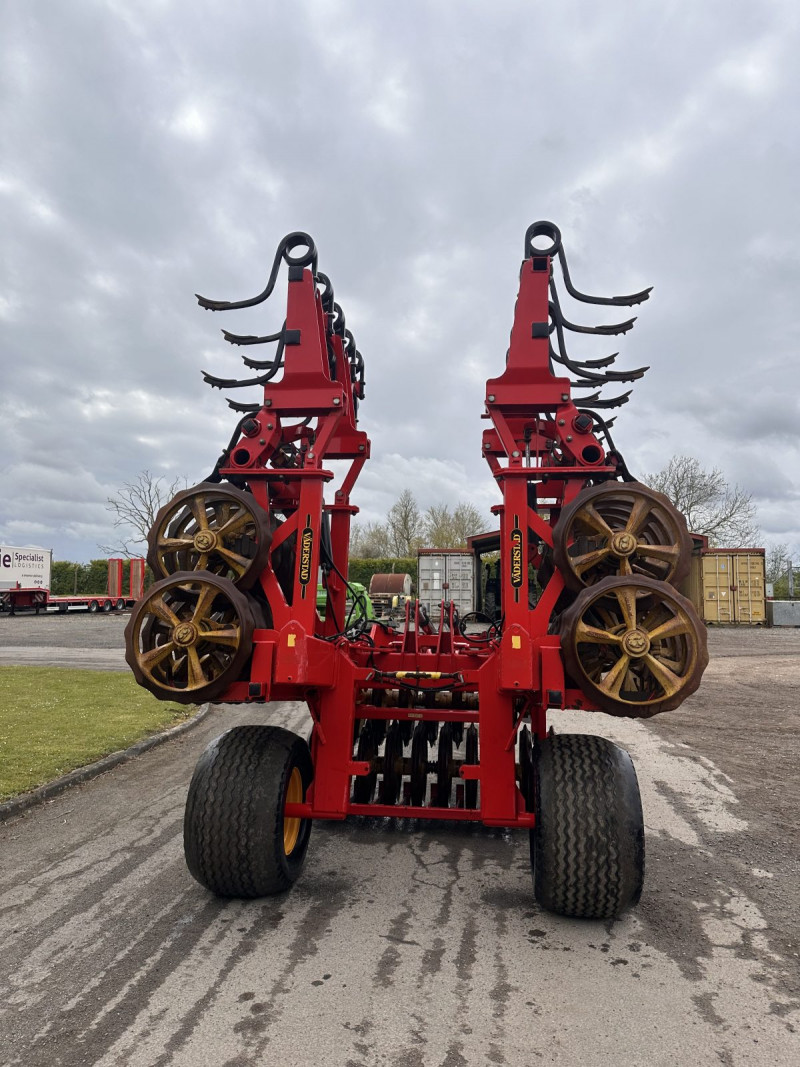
(437, 717)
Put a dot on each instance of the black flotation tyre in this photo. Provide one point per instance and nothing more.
(587, 850)
(236, 839)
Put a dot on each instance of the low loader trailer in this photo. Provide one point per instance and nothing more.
(433, 716)
(25, 584)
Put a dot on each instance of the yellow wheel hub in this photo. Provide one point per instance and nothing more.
(291, 825)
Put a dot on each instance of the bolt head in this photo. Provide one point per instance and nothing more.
(562, 422)
(337, 400)
(490, 398)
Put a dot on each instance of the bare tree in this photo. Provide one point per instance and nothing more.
(446, 529)
(439, 527)
(467, 521)
(776, 561)
(724, 514)
(370, 541)
(405, 525)
(134, 509)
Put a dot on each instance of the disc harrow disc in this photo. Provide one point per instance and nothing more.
(634, 645)
(623, 529)
(364, 785)
(444, 766)
(189, 637)
(419, 764)
(392, 764)
(471, 754)
(212, 527)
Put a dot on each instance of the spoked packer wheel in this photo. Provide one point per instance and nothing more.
(621, 529)
(189, 637)
(237, 840)
(211, 527)
(634, 646)
(587, 849)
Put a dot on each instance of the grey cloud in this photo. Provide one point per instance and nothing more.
(153, 151)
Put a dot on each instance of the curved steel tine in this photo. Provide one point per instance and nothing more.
(614, 401)
(233, 383)
(290, 241)
(606, 361)
(271, 365)
(616, 301)
(565, 361)
(326, 296)
(259, 364)
(252, 339)
(228, 305)
(586, 399)
(609, 330)
(236, 405)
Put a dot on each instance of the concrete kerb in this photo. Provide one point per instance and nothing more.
(15, 806)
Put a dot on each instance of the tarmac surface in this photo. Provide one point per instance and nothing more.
(419, 946)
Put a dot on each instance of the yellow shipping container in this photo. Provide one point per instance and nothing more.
(732, 583)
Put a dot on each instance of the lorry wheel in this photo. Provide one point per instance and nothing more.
(93, 606)
(119, 605)
(236, 839)
(587, 850)
(107, 605)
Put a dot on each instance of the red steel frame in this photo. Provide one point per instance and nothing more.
(541, 456)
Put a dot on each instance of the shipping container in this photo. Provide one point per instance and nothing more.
(446, 575)
(732, 583)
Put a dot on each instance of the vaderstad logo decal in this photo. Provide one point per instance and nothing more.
(516, 557)
(306, 544)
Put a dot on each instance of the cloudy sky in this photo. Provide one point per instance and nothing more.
(151, 149)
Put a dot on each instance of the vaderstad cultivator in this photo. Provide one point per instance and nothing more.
(437, 718)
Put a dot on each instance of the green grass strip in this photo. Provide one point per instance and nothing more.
(54, 720)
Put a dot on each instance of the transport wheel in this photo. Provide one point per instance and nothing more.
(62, 609)
(635, 646)
(120, 605)
(444, 766)
(93, 606)
(107, 605)
(621, 529)
(213, 527)
(392, 764)
(471, 753)
(526, 766)
(364, 785)
(587, 850)
(419, 764)
(236, 839)
(189, 637)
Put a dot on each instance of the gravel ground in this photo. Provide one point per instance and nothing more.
(419, 946)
